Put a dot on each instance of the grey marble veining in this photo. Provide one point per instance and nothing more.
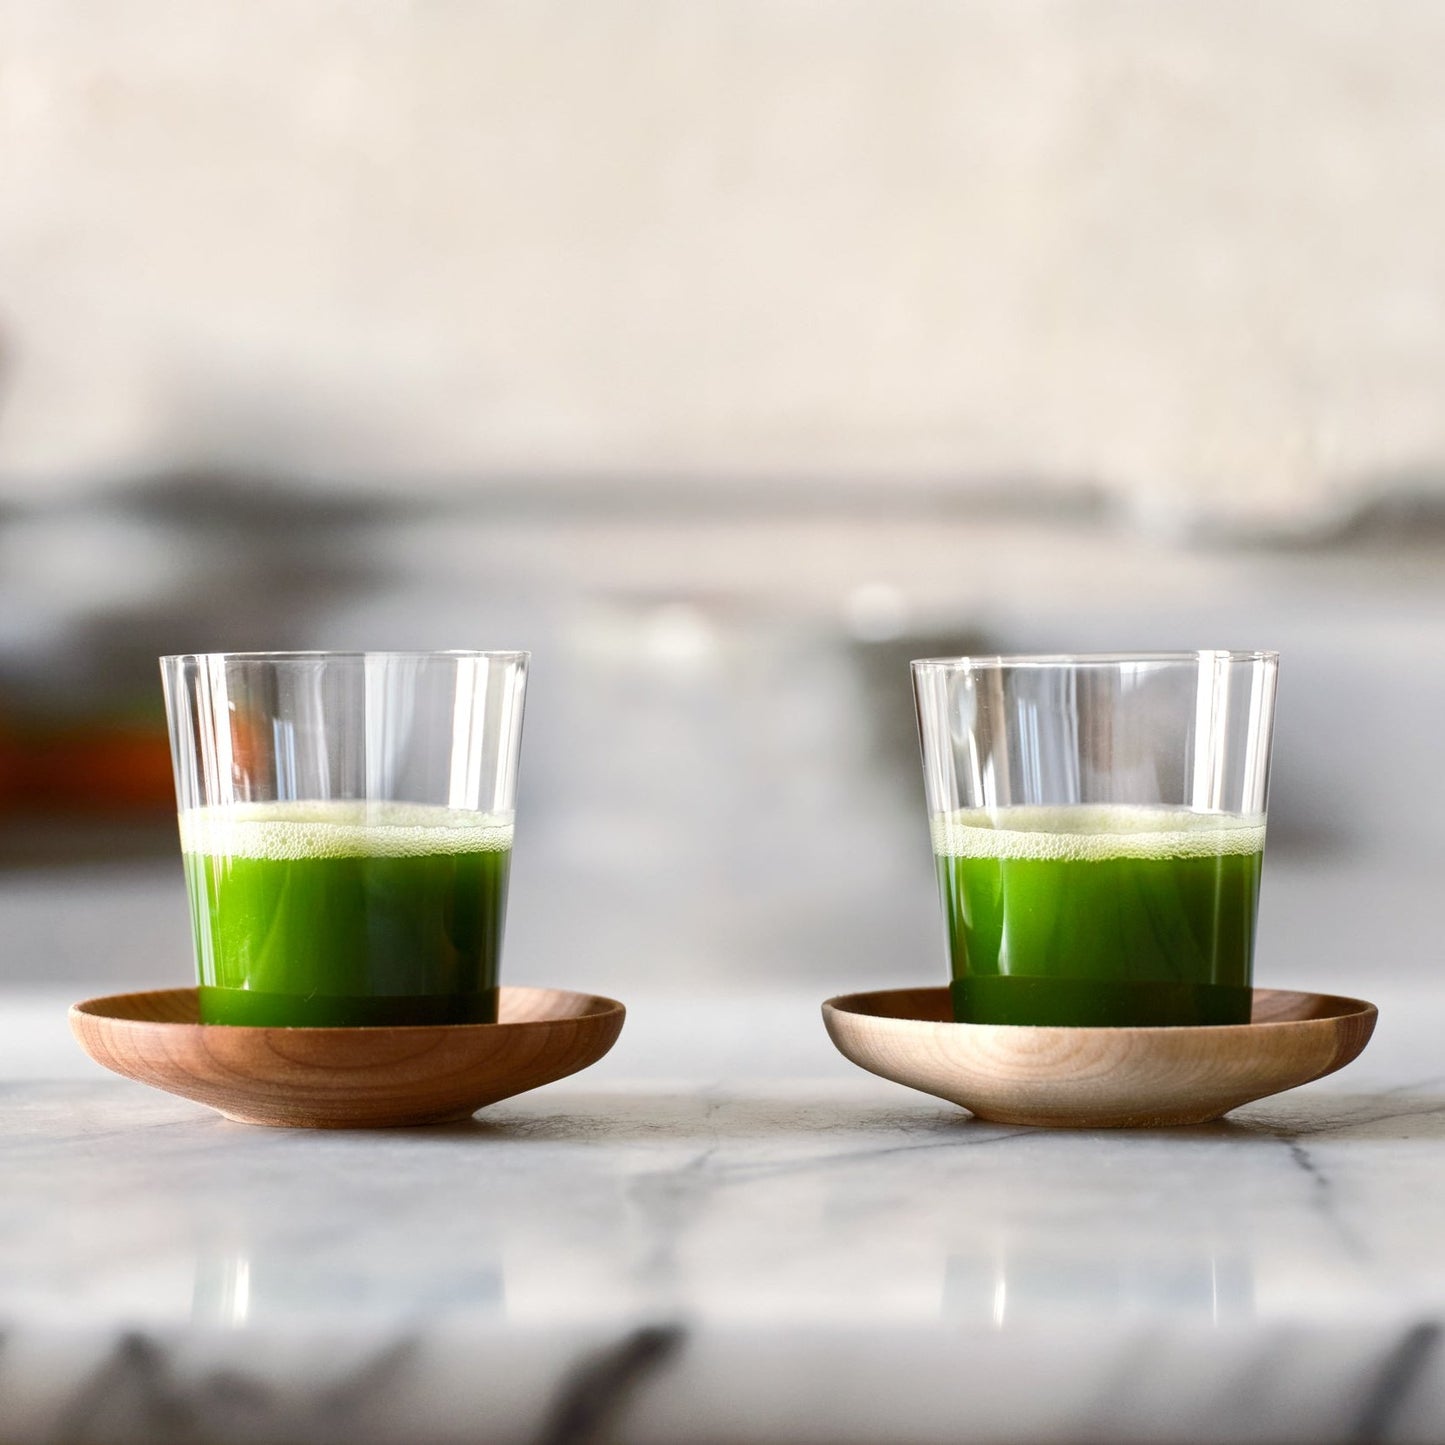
(722, 1232)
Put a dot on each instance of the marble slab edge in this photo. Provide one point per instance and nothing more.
(660, 1380)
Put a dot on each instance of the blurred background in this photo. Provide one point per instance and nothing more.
(725, 356)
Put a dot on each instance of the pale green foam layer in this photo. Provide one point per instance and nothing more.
(288, 831)
(1086, 832)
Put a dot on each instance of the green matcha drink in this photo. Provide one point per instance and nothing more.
(1100, 916)
(344, 913)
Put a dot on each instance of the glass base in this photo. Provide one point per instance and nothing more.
(252, 1009)
(1096, 1003)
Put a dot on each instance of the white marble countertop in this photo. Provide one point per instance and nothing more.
(723, 1232)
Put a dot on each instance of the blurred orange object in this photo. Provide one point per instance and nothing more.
(105, 767)
(9, 757)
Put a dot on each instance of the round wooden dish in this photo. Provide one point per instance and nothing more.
(1087, 1078)
(354, 1078)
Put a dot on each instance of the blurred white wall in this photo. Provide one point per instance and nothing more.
(1191, 252)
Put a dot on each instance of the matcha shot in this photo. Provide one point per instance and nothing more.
(1103, 915)
(323, 914)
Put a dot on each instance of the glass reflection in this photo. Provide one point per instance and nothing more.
(252, 1270)
(1024, 1282)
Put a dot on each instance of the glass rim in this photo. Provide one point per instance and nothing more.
(984, 662)
(322, 654)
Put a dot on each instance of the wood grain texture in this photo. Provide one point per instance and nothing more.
(1089, 1078)
(347, 1078)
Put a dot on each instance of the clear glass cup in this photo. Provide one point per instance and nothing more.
(346, 828)
(1098, 826)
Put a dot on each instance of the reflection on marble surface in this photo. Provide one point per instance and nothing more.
(1200, 1280)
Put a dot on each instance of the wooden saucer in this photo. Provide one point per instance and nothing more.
(1091, 1078)
(352, 1078)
